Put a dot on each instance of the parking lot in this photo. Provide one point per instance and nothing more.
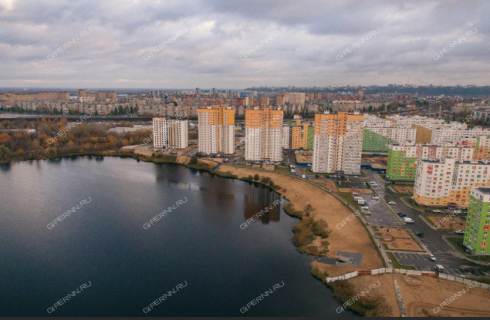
(381, 215)
(422, 262)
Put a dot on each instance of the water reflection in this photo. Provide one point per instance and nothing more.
(256, 202)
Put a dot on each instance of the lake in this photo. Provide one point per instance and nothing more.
(111, 265)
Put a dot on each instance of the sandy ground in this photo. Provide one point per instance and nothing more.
(269, 167)
(422, 294)
(455, 223)
(387, 290)
(351, 238)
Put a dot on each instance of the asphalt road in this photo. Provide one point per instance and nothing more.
(436, 245)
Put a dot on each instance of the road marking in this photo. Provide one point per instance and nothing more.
(418, 257)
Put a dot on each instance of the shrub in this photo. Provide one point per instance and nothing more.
(193, 160)
(256, 177)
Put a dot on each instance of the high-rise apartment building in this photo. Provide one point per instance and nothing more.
(377, 139)
(403, 159)
(337, 143)
(437, 183)
(216, 130)
(286, 137)
(169, 133)
(478, 222)
(263, 134)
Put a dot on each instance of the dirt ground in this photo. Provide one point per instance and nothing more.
(451, 224)
(403, 189)
(330, 185)
(353, 237)
(422, 294)
(376, 161)
(300, 158)
(269, 167)
(402, 240)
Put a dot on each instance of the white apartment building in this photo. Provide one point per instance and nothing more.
(433, 152)
(286, 137)
(438, 183)
(263, 134)
(337, 144)
(448, 134)
(400, 135)
(216, 130)
(409, 121)
(172, 134)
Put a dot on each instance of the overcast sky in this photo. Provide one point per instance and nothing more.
(212, 52)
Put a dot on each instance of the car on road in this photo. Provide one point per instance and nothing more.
(401, 214)
(375, 197)
(436, 211)
(391, 202)
(419, 234)
(439, 268)
(365, 208)
(432, 257)
(408, 220)
(459, 231)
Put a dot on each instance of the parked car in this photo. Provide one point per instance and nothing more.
(391, 203)
(375, 197)
(419, 234)
(452, 205)
(459, 231)
(365, 208)
(372, 182)
(439, 268)
(431, 257)
(401, 214)
(437, 211)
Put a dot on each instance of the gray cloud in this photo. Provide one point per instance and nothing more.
(208, 55)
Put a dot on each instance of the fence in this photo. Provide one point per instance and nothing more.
(463, 280)
(407, 272)
(381, 271)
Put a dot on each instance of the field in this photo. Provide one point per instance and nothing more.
(300, 158)
(397, 239)
(268, 167)
(354, 190)
(451, 224)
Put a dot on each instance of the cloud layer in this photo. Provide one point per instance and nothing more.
(219, 32)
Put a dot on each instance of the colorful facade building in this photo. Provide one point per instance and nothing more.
(263, 134)
(437, 183)
(337, 143)
(216, 132)
(402, 159)
(377, 139)
(478, 222)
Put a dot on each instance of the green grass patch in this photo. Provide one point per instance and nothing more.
(283, 170)
(409, 202)
(458, 242)
(226, 175)
(396, 264)
(307, 230)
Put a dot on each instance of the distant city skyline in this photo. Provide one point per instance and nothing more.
(234, 45)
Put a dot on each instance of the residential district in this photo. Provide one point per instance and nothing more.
(413, 163)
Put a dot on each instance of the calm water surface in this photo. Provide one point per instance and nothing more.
(104, 243)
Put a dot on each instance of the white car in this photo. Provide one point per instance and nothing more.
(391, 202)
(459, 231)
(436, 211)
(432, 257)
(365, 208)
(375, 197)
